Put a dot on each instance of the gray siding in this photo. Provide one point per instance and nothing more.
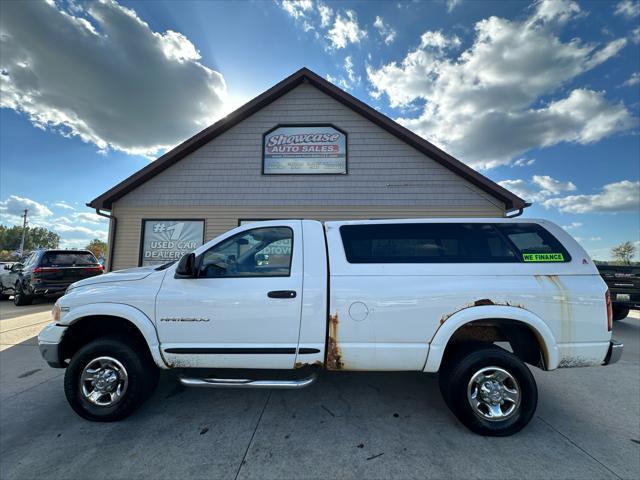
(383, 170)
(222, 181)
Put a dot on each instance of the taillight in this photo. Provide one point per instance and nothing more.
(45, 270)
(93, 269)
(607, 297)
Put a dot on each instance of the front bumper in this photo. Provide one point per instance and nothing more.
(614, 353)
(49, 341)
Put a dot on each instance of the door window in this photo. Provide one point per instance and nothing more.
(260, 252)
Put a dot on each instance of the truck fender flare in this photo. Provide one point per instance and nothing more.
(143, 323)
(452, 323)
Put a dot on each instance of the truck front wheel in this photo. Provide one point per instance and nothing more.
(491, 391)
(108, 379)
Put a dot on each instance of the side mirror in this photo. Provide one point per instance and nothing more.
(7, 267)
(186, 266)
(16, 266)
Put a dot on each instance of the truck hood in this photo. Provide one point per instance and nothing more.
(127, 275)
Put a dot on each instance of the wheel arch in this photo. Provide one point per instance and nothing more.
(493, 314)
(87, 322)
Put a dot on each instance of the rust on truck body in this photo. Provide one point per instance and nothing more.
(479, 303)
(334, 355)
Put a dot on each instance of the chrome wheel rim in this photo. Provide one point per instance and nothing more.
(104, 381)
(494, 394)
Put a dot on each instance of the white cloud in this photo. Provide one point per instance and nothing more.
(297, 8)
(635, 35)
(523, 162)
(551, 186)
(628, 8)
(616, 197)
(89, 217)
(12, 209)
(63, 205)
(325, 14)
(572, 226)
(451, 4)
(634, 79)
(488, 104)
(88, 233)
(348, 81)
(345, 30)
(387, 33)
(560, 11)
(539, 188)
(521, 188)
(102, 74)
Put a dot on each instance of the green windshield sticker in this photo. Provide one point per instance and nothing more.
(543, 257)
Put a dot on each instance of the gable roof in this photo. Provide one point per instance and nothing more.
(105, 201)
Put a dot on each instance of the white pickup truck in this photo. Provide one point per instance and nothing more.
(278, 301)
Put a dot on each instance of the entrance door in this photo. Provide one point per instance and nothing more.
(243, 309)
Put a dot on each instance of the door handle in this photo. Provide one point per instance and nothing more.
(281, 294)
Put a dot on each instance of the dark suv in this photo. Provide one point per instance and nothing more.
(47, 272)
(624, 285)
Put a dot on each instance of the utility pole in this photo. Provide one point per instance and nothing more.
(24, 230)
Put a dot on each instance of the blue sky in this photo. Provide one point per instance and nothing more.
(542, 97)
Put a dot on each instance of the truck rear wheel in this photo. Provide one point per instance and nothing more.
(491, 391)
(108, 379)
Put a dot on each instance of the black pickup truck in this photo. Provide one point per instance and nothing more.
(624, 286)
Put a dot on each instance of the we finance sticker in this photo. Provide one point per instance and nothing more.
(543, 257)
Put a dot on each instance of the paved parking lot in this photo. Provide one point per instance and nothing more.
(348, 425)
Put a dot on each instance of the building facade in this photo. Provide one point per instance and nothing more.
(302, 149)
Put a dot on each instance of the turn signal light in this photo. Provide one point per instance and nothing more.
(55, 313)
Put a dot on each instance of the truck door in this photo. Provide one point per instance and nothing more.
(243, 309)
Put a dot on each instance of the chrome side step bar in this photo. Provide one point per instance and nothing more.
(248, 383)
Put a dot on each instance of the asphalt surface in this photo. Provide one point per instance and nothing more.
(348, 425)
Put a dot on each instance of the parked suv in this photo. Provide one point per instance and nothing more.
(624, 284)
(47, 272)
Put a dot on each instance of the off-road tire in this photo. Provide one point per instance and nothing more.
(20, 298)
(142, 378)
(457, 372)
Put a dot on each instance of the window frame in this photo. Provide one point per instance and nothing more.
(563, 250)
(517, 258)
(200, 258)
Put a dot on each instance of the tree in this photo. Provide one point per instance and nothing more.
(97, 247)
(624, 252)
(35, 237)
(40, 237)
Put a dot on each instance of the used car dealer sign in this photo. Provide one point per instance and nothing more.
(305, 150)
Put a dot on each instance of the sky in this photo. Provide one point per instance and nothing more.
(542, 97)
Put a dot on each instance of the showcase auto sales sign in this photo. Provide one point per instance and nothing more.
(305, 150)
